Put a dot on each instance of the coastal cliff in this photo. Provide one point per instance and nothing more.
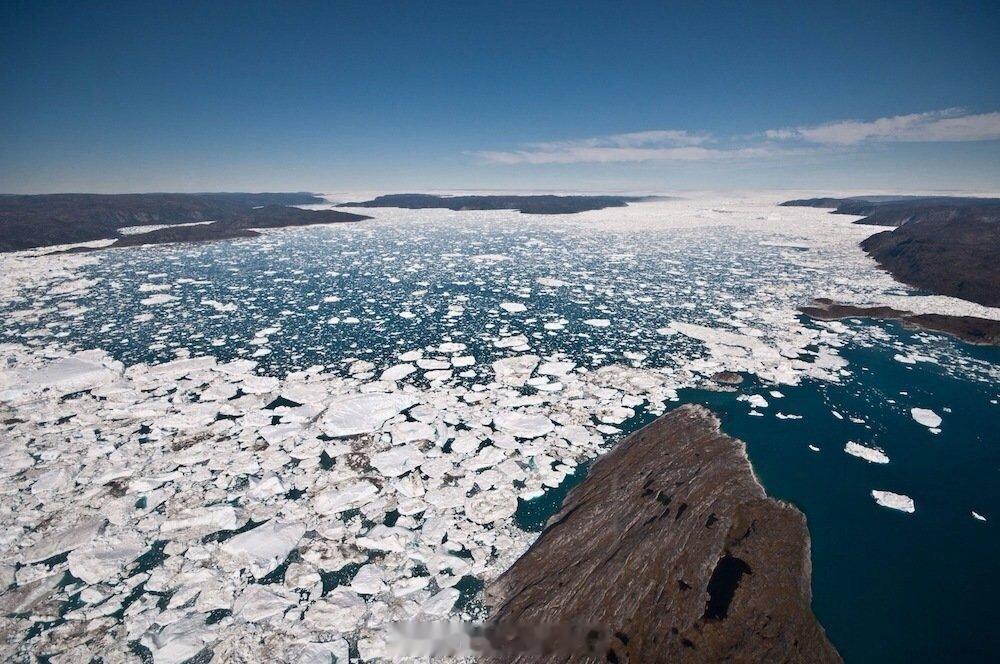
(669, 551)
(947, 245)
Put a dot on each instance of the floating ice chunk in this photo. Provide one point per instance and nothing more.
(102, 561)
(491, 506)
(54, 543)
(445, 498)
(397, 461)
(523, 425)
(407, 432)
(83, 371)
(385, 538)
(869, 454)
(615, 414)
(207, 519)
(259, 603)
(220, 306)
(339, 611)
(267, 487)
(178, 641)
(755, 400)
(324, 652)
(441, 603)
(514, 341)
(556, 368)
(513, 307)
(531, 494)
(398, 372)
(159, 298)
(363, 413)
(597, 322)
(894, 501)
(182, 367)
(977, 516)
(360, 367)
(263, 548)
(515, 370)
(353, 495)
(927, 417)
(551, 283)
(463, 361)
(405, 587)
(438, 374)
(814, 448)
(370, 580)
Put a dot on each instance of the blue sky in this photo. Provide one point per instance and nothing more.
(174, 96)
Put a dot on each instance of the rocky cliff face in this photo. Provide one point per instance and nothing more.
(944, 244)
(669, 551)
(952, 252)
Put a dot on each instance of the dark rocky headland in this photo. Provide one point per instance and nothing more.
(524, 204)
(28, 222)
(946, 245)
(669, 551)
(967, 328)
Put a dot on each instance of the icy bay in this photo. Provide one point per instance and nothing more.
(388, 403)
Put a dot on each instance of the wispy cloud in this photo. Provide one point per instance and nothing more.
(656, 145)
(608, 154)
(636, 139)
(949, 125)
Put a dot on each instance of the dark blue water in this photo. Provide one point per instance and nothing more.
(889, 586)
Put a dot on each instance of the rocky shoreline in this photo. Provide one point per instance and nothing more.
(948, 245)
(982, 331)
(668, 551)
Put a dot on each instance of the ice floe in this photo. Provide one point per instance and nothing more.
(286, 454)
(894, 501)
(927, 417)
(869, 454)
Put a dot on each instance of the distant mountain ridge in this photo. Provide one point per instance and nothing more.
(28, 221)
(893, 210)
(541, 204)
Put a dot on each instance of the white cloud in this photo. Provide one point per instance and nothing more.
(636, 139)
(657, 145)
(949, 125)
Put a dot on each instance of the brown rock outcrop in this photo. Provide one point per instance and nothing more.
(982, 331)
(669, 551)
